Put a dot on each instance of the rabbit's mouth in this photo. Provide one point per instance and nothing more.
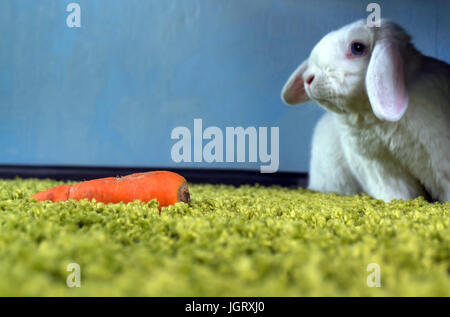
(330, 106)
(324, 101)
(313, 96)
(323, 95)
(327, 104)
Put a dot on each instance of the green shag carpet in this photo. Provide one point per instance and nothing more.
(246, 241)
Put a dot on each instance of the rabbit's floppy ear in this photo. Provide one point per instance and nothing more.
(385, 82)
(293, 92)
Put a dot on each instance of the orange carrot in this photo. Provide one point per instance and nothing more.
(57, 193)
(166, 187)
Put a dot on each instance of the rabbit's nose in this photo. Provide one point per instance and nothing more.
(310, 79)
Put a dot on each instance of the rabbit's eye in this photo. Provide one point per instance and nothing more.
(358, 48)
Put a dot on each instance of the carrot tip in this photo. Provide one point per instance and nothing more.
(183, 193)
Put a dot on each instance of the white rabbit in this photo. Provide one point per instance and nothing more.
(386, 131)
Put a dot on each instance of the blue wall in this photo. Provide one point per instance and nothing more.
(110, 92)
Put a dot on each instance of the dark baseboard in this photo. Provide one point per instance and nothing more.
(193, 175)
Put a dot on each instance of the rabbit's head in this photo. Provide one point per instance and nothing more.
(355, 69)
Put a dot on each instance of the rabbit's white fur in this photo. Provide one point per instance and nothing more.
(391, 151)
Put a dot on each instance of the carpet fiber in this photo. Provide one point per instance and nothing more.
(246, 241)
